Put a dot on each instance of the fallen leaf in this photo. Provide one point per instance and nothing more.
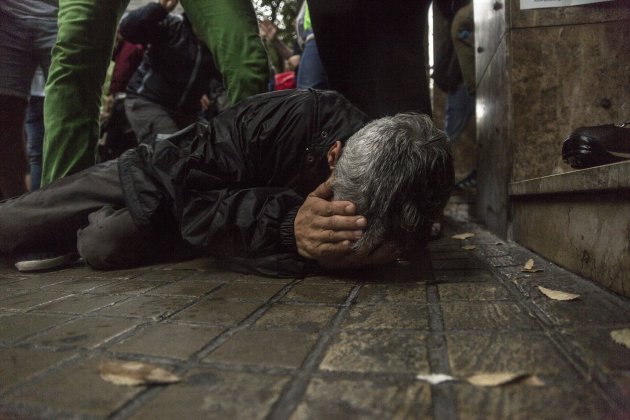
(435, 378)
(621, 337)
(135, 373)
(463, 236)
(557, 294)
(496, 379)
(529, 267)
(534, 381)
(469, 247)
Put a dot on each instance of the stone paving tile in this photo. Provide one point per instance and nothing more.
(84, 333)
(393, 315)
(194, 288)
(318, 293)
(78, 285)
(128, 287)
(457, 264)
(491, 351)
(79, 304)
(20, 364)
(596, 347)
(31, 300)
(303, 318)
(382, 351)
(575, 401)
(528, 283)
(486, 316)
(328, 398)
(19, 326)
(224, 314)
(76, 389)
(247, 292)
(212, 394)
(446, 276)
(285, 349)
(151, 307)
(162, 276)
(392, 293)
(6, 292)
(35, 282)
(178, 341)
(589, 309)
(473, 291)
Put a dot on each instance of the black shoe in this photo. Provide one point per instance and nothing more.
(599, 145)
(468, 183)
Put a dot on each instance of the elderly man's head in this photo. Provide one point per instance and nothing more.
(399, 172)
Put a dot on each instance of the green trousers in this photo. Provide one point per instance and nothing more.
(83, 51)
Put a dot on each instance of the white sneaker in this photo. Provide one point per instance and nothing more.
(45, 261)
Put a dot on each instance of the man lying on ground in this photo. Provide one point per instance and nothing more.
(280, 184)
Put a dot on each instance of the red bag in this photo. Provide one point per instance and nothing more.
(285, 80)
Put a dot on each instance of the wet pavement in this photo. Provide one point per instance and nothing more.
(330, 347)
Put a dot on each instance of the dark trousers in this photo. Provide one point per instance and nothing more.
(84, 213)
(373, 52)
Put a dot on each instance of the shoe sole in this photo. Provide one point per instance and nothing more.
(45, 264)
(583, 152)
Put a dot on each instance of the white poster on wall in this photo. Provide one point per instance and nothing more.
(540, 4)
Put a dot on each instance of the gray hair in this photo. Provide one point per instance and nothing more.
(398, 171)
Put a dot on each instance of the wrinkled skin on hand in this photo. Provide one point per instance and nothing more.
(326, 229)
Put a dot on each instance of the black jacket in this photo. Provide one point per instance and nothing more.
(177, 68)
(233, 187)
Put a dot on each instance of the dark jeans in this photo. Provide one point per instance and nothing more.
(460, 107)
(84, 212)
(311, 73)
(373, 52)
(34, 126)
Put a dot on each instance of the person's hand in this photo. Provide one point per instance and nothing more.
(325, 229)
(205, 102)
(168, 5)
(268, 30)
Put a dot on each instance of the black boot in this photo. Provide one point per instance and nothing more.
(599, 145)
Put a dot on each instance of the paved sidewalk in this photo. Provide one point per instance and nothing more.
(322, 347)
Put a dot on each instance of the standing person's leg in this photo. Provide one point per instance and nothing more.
(148, 118)
(35, 138)
(47, 220)
(230, 29)
(73, 90)
(16, 72)
(380, 64)
(311, 73)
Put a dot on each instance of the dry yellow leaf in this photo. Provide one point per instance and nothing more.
(621, 337)
(463, 236)
(469, 247)
(534, 381)
(529, 267)
(120, 372)
(496, 379)
(557, 294)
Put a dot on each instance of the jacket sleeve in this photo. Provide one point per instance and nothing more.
(249, 223)
(145, 25)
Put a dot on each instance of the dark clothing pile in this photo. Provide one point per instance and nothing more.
(233, 187)
(177, 68)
